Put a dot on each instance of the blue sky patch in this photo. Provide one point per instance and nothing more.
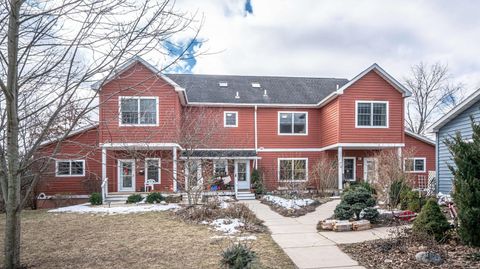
(248, 7)
(187, 61)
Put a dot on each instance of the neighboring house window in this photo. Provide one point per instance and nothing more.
(220, 168)
(292, 169)
(70, 168)
(415, 165)
(138, 110)
(292, 123)
(230, 119)
(349, 168)
(152, 169)
(371, 114)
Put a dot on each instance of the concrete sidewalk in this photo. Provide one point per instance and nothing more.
(299, 238)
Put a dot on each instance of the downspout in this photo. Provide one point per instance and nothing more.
(256, 137)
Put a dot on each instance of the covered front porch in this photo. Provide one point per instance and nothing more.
(218, 171)
(358, 162)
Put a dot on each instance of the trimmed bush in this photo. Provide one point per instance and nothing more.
(343, 212)
(431, 221)
(257, 182)
(238, 256)
(412, 200)
(155, 197)
(134, 198)
(466, 194)
(95, 198)
(370, 214)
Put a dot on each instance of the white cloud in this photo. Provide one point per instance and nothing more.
(337, 38)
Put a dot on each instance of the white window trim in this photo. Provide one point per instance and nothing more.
(159, 169)
(414, 159)
(225, 161)
(306, 123)
(157, 111)
(225, 119)
(354, 168)
(371, 116)
(292, 159)
(69, 160)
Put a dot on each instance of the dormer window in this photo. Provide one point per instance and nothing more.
(138, 111)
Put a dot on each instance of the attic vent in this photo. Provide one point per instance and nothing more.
(237, 96)
(223, 84)
(265, 93)
(256, 85)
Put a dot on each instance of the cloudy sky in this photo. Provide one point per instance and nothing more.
(331, 38)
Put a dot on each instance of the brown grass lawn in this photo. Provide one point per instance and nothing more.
(150, 240)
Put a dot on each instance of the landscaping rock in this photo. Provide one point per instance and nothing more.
(342, 226)
(429, 257)
(361, 225)
(163, 203)
(327, 224)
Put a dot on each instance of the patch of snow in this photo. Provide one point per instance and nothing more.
(288, 203)
(247, 238)
(228, 226)
(444, 199)
(86, 208)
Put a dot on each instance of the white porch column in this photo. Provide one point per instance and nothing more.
(399, 152)
(104, 163)
(174, 170)
(340, 168)
(104, 174)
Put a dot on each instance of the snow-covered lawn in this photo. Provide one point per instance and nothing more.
(114, 209)
(288, 203)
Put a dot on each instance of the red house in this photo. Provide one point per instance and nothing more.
(280, 125)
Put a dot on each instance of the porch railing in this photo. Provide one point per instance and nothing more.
(104, 189)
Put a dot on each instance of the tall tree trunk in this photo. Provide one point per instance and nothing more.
(12, 197)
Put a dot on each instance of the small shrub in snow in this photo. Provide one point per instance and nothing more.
(370, 214)
(354, 200)
(238, 256)
(95, 198)
(134, 198)
(431, 221)
(257, 182)
(155, 197)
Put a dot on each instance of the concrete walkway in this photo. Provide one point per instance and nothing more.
(299, 238)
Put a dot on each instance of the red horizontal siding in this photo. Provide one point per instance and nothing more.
(138, 81)
(421, 149)
(371, 87)
(268, 137)
(329, 123)
(82, 146)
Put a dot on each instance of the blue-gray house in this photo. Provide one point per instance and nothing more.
(457, 120)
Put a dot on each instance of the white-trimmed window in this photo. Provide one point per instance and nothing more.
(152, 169)
(292, 169)
(220, 168)
(230, 119)
(292, 123)
(371, 114)
(138, 110)
(415, 165)
(349, 168)
(70, 168)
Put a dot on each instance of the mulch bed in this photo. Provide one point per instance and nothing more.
(290, 212)
(400, 253)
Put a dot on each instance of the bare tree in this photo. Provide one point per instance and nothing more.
(50, 52)
(432, 92)
(389, 169)
(324, 175)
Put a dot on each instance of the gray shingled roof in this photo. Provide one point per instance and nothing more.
(280, 90)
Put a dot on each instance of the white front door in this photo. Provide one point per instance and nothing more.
(369, 169)
(126, 175)
(242, 174)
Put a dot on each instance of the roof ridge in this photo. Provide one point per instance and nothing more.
(256, 76)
